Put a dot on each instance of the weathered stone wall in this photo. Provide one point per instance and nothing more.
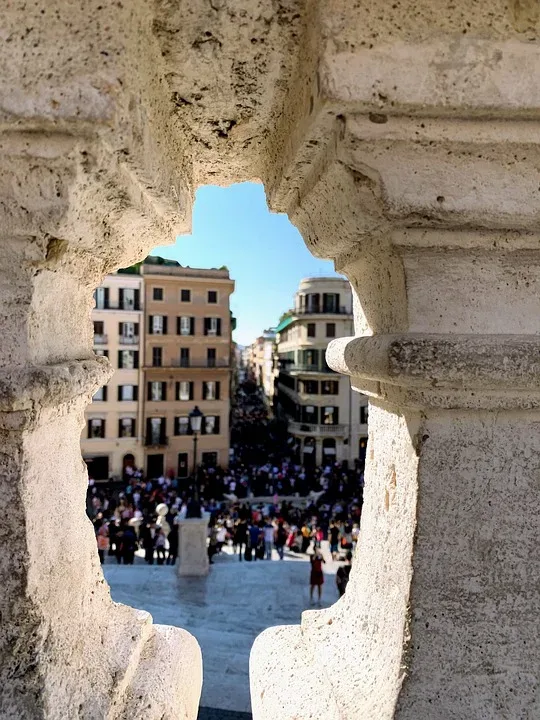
(402, 140)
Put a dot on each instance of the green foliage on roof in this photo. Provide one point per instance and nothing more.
(135, 269)
(157, 260)
(131, 270)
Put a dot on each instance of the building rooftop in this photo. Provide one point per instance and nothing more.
(324, 279)
(156, 265)
(179, 271)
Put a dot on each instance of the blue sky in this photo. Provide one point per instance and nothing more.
(264, 252)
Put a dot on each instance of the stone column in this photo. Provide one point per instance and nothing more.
(84, 189)
(193, 547)
(66, 650)
(436, 228)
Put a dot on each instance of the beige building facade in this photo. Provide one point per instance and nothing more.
(187, 364)
(261, 361)
(325, 416)
(112, 436)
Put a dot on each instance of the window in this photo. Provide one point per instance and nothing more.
(128, 359)
(209, 459)
(183, 470)
(155, 431)
(185, 325)
(311, 329)
(157, 391)
(312, 302)
(210, 425)
(212, 296)
(181, 426)
(157, 324)
(310, 387)
(364, 412)
(184, 390)
(128, 331)
(212, 326)
(96, 428)
(184, 357)
(309, 450)
(330, 329)
(328, 448)
(128, 392)
(157, 356)
(101, 297)
(310, 358)
(157, 293)
(331, 302)
(211, 357)
(211, 390)
(128, 299)
(102, 353)
(185, 295)
(101, 394)
(330, 387)
(329, 416)
(99, 328)
(126, 427)
(309, 414)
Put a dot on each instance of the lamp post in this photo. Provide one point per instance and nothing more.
(193, 529)
(195, 422)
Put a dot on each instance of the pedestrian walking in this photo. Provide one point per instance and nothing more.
(281, 539)
(269, 536)
(316, 578)
(342, 575)
(102, 542)
(159, 544)
(241, 538)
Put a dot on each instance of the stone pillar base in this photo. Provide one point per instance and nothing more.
(192, 547)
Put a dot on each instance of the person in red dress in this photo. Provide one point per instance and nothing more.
(316, 579)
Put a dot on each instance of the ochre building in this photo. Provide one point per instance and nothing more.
(166, 331)
(187, 363)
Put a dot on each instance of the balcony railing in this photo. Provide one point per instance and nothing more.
(308, 429)
(304, 367)
(128, 340)
(101, 339)
(341, 310)
(127, 307)
(161, 441)
(198, 364)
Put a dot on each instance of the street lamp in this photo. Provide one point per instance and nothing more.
(195, 422)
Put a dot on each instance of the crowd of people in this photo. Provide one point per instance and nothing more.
(322, 504)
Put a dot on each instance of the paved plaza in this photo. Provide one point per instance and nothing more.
(224, 611)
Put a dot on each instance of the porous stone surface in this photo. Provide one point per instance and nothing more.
(402, 140)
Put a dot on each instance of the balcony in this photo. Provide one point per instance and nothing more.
(302, 367)
(101, 339)
(161, 441)
(307, 429)
(341, 310)
(128, 340)
(124, 307)
(194, 364)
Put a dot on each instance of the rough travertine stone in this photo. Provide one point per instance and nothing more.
(402, 139)
(71, 209)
